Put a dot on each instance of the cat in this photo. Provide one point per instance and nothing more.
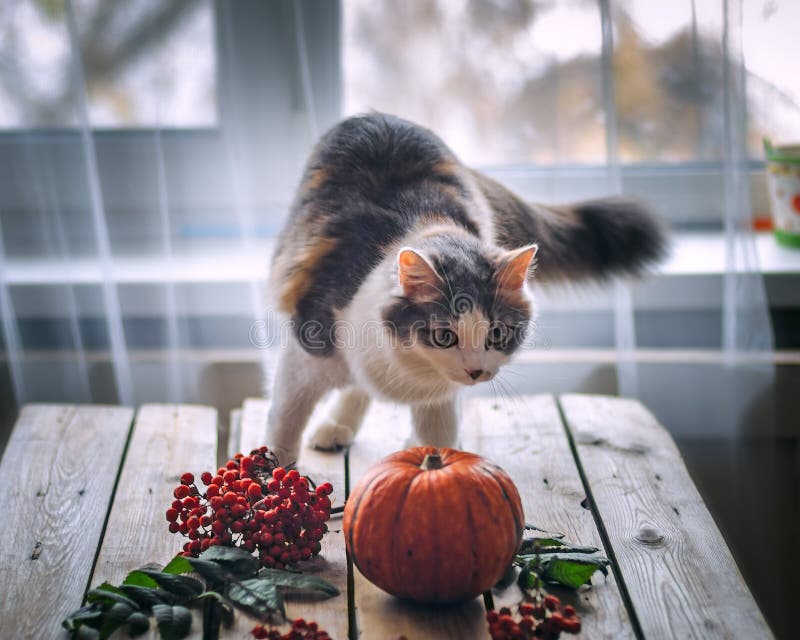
(405, 275)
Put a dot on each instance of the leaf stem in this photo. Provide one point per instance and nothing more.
(211, 612)
(488, 600)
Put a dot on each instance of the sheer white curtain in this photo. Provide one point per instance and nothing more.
(133, 252)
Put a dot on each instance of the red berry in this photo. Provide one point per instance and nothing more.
(551, 603)
(213, 490)
(572, 625)
(231, 464)
(172, 515)
(569, 611)
(259, 631)
(206, 477)
(174, 527)
(278, 473)
(181, 491)
(254, 491)
(187, 478)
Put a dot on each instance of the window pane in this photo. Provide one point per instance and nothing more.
(499, 81)
(772, 51)
(520, 81)
(147, 63)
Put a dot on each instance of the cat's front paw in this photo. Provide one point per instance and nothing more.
(331, 436)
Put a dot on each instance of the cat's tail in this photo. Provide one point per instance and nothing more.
(594, 240)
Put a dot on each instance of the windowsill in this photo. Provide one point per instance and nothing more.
(232, 261)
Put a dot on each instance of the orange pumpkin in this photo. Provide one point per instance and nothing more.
(433, 525)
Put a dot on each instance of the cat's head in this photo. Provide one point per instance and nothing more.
(460, 305)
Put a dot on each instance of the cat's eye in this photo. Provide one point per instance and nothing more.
(497, 336)
(443, 338)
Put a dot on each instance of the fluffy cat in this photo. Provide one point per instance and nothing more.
(405, 275)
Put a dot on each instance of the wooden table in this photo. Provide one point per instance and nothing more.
(85, 489)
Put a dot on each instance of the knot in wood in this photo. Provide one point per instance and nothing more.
(649, 535)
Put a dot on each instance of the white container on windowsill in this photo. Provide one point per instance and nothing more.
(783, 175)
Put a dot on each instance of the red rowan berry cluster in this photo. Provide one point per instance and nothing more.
(301, 630)
(254, 504)
(544, 618)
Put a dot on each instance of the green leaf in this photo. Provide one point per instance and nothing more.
(179, 564)
(115, 617)
(301, 581)
(146, 597)
(86, 633)
(138, 624)
(174, 622)
(139, 578)
(180, 586)
(236, 561)
(226, 608)
(571, 569)
(532, 546)
(105, 596)
(528, 579)
(550, 534)
(85, 615)
(212, 571)
(257, 596)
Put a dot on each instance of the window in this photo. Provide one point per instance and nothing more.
(146, 63)
(516, 88)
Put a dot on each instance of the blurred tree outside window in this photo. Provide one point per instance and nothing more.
(520, 81)
(147, 63)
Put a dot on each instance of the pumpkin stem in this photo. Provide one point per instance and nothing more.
(431, 461)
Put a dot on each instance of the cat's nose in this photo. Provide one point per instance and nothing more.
(474, 373)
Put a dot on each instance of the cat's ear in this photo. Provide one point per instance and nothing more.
(416, 275)
(515, 266)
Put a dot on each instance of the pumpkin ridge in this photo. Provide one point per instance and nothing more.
(473, 543)
(356, 509)
(397, 518)
(509, 501)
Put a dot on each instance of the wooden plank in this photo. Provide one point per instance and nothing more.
(331, 564)
(234, 433)
(525, 436)
(681, 577)
(167, 441)
(57, 475)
